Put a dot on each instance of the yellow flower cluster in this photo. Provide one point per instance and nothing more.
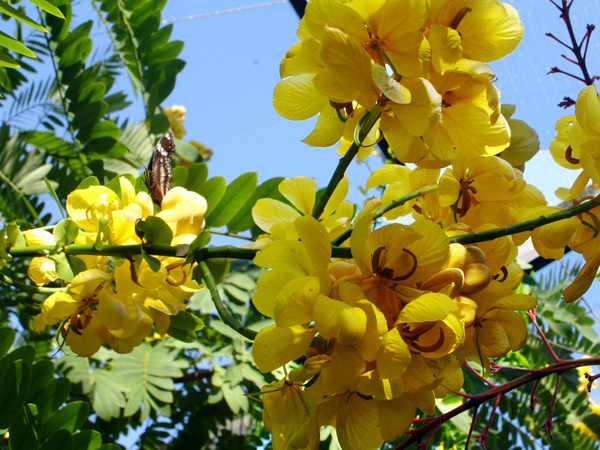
(422, 63)
(116, 301)
(384, 333)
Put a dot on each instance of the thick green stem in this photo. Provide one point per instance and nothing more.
(224, 313)
(370, 119)
(29, 288)
(391, 205)
(528, 225)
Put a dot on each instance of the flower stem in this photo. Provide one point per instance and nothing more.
(528, 225)
(391, 205)
(28, 288)
(368, 121)
(224, 313)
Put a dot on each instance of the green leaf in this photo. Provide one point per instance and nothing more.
(42, 373)
(71, 418)
(199, 242)
(159, 124)
(26, 352)
(52, 397)
(60, 439)
(7, 337)
(152, 262)
(197, 175)
(100, 130)
(180, 175)
(48, 7)
(188, 152)
(6, 60)
(14, 388)
(213, 191)
(89, 181)
(14, 45)
(219, 268)
(146, 365)
(235, 397)
(154, 231)
(182, 335)
(26, 429)
(236, 195)
(243, 219)
(68, 266)
(16, 14)
(183, 320)
(108, 393)
(87, 440)
(65, 232)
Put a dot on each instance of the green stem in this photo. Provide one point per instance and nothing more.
(224, 313)
(528, 225)
(28, 288)
(388, 207)
(363, 130)
(178, 251)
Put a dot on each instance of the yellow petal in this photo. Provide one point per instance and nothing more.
(392, 89)
(294, 304)
(42, 271)
(275, 346)
(296, 98)
(268, 212)
(358, 425)
(427, 308)
(336, 319)
(393, 355)
(583, 281)
(328, 129)
(338, 196)
(395, 417)
(315, 238)
(300, 191)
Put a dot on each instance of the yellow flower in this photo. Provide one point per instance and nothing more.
(183, 211)
(524, 141)
(482, 30)
(176, 115)
(577, 144)
(205, 152)
(41, 270)
(277, 218)
(497, 328)
(96, 314)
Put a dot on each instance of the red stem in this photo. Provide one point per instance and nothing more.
(476, 400)
(531, 315)
(474, 372)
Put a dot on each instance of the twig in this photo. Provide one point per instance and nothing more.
(224, 313)
(483, 436)
(547, 425)
(559, 367)
(531, 315)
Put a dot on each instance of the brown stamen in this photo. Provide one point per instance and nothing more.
(459, 17)
(432, 347)
(413, 268)
(569, 156)
(504, 271)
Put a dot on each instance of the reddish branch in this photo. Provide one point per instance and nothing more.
(579, 50)
(475, 401)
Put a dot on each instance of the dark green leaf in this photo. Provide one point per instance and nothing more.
(182, 335)
(7, 337)
(6, 60)
(26, 429)
(12, 12)
(71, 418)
(51, 398)
(60, 439)
(14, 388)
(42, 373)
(87, 440)
(26, 352)
(180, 175)
(219, 268)
(159, 124)
(89, 181)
